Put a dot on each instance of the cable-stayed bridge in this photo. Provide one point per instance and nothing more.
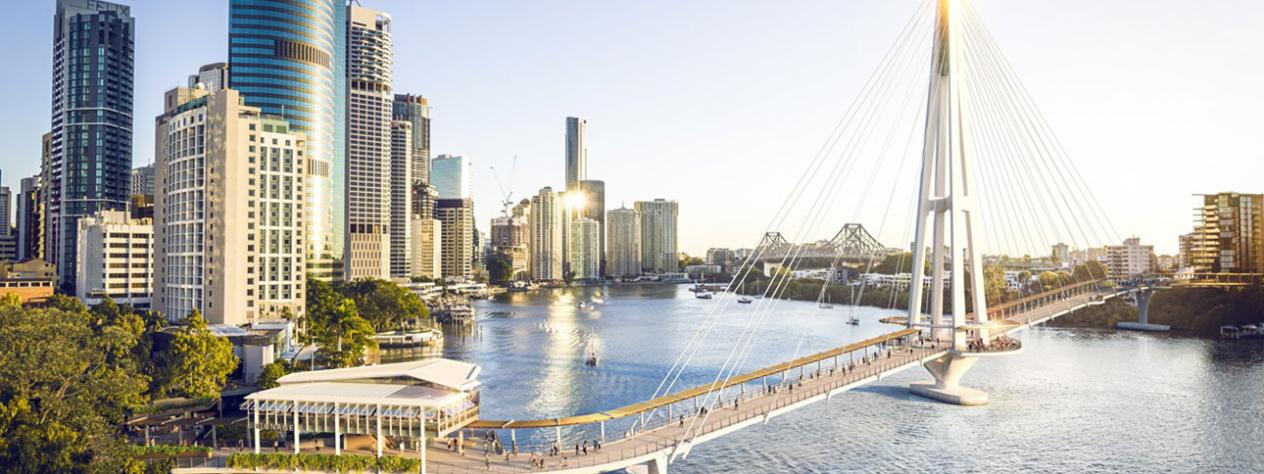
(986, 175)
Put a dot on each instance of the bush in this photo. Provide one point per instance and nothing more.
(323, 462)
(170, 450)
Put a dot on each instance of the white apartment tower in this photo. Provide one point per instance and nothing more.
(368, 201)
(658, 235)
(623, 249)
(457, 237)
(545, 220)
(228, 211)
(115, 259)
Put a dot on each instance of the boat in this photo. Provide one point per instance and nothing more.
(592, 360)
(826, 304)
(581, 305)
(853, 321)
(702, 295)
(417, 338)
(744, 299)
(518, 287)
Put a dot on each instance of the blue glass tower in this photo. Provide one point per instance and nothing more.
(288, 57)
(90, 150)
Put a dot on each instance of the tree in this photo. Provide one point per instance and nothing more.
(385, 305)
(993, 283)
(686, 260)
(67, 382)
(1048, 280)
(343, 336)
(499, 268)
(200, 360)
(271, 372)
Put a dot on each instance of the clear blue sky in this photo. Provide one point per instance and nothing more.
(719, 104)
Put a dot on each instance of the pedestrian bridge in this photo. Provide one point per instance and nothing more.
(667, 428)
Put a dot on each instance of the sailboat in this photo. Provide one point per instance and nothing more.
(853, 321)
(744, 299)
(826, 304)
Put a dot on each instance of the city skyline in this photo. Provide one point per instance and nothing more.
(1112, 122)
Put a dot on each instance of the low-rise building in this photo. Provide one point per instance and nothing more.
(115, 259)
(32, 280)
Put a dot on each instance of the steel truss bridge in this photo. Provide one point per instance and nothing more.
(852, 244)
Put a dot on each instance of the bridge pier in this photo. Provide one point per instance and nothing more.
(1143, 314)
(948, 370)
(658, 465)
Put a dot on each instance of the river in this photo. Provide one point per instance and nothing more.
(1075, 400)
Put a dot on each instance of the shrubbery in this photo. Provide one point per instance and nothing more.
(324, 462)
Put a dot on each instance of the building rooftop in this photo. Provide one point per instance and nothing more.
(455, 375)
(360, 393)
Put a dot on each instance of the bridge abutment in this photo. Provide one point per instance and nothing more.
(1143, 314)
(948, 370)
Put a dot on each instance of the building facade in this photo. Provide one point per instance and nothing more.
(415, 109)
(623, 251)
(595, 209)
(546, 223)
(369, 131)
(115, 259)
(427, 247)
(142, 181)
(402, 186)
(229, 214)
(584, 250)
(457, 236)
(1229, 234)
(658, 236)
(1130, 259)
(288, 58)
(576, 152)
(91, 139)
(510, 237)
(211, 77)
(30, 219)
(453, 176)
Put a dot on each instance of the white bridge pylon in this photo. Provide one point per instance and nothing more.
(947, 206)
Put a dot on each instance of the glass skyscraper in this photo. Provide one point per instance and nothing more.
(90, 149)
(288, 57)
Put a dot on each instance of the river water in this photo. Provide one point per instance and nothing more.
(1075, 400)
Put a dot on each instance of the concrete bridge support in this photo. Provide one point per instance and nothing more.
(948, 370)
(1143, 314)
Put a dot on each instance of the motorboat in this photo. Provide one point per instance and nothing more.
(702, 295)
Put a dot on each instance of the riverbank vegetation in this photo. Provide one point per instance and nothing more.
(323, 462)
(1201, 311)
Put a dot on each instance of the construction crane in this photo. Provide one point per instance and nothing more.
(507, 191)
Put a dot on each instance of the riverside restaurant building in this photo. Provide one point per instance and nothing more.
(407, 401)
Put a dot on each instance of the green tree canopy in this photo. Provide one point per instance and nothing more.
(499, 268)
(385, 305)
(271, 372)
(200, 361)
(336, 326)
(66, 384)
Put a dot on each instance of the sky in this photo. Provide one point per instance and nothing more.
(721, 104)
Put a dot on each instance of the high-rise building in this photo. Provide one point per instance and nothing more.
(91, 142)
(115, 259)
(453, 176)
(212, 77)
(402, 185)
(416, 110)
(719, 256)
(30, 219)
(8, 239)
(368, 144)
(229, 222)
(584, 251)
(288, 58)
(546, 224)
(510, 238)
(1229, 234)
(142, 181)
(576, 152)
(658, 236)
(595, 209)
(623, 251)
(1185, 250)
(457, 218)
(1130, 259)
(1061, 254)
(427, 247)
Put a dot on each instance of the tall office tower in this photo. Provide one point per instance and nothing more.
(288, 58)
(576, 152)
(427, 247)
(658, 236)
(509, 237)
(30, 220)
(457, 218)
(115, 259)
(623, 251)
(401, 200)
(212, 77)
(452, 176)
(595, 209)
(142, 181)
(48, 240)
(584, 250)
(8, 239)
(368, 144)
(91, 144)
(230, 221)
(546, 235)
(1229, 234)
(416, 109)
(424, 200)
